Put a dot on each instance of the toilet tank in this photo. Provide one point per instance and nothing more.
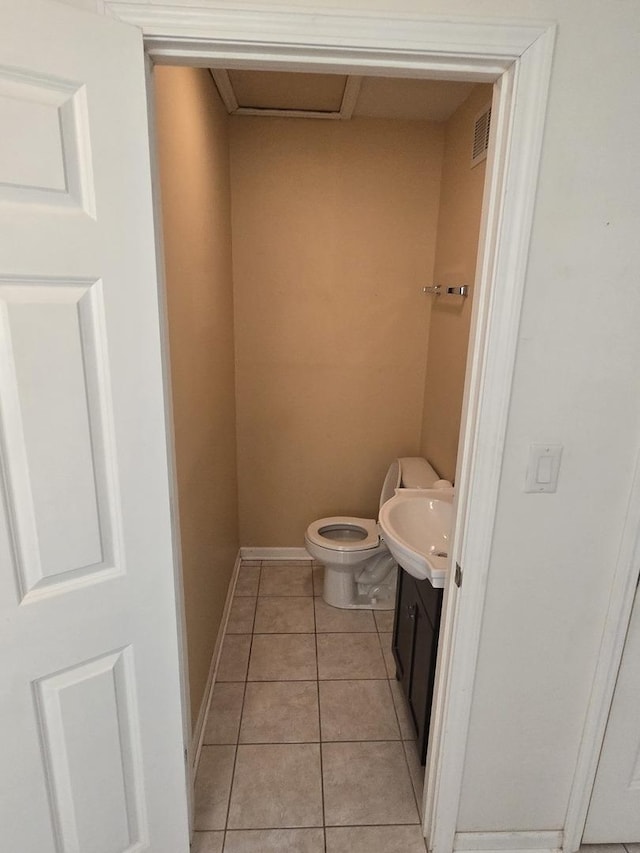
(411, 472)
(416, 473)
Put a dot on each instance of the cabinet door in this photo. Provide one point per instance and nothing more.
(404, 629)
(422, 675)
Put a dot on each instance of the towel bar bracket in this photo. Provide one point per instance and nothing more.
(440, 290)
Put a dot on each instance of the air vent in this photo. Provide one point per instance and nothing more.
(481, 136)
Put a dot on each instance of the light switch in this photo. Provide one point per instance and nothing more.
(543, 468)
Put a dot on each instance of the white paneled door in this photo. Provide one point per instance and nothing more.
(91, 744)
(614, 811)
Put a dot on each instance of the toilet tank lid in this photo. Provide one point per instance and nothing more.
(391, 482)
(417, 473)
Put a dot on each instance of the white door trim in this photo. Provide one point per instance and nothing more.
(518, 56)
(621, 600)
(176, 543)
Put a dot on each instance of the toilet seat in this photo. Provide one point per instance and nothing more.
(344, 533)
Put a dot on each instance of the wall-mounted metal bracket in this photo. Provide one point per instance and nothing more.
(439, 290)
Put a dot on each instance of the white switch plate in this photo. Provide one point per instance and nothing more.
(543, 468)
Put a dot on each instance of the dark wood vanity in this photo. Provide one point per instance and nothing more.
(415, 645)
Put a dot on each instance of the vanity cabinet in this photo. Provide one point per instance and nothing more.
(415, 645)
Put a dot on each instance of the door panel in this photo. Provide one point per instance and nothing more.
(91, 745)
(62, 502)
(45, 144)
(405, 627)
(95, 782)
(421, 681)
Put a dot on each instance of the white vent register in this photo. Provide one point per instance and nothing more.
(481, 130)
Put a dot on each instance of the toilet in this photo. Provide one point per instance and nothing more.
(359, 571)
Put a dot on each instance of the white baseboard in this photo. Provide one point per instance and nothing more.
(275, 554)
(509, 842)
(198, 730)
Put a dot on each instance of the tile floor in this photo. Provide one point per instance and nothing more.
(308, 746)
(610, 848)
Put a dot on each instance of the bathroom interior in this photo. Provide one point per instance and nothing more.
(305, 357)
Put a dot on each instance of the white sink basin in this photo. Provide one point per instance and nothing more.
(416, 529)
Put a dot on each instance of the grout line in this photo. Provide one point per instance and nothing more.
(317, 826)
(301, 742)
(237, 743)
(298, 680)
(315, 634)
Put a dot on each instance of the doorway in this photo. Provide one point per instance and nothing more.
(372, 190)
(294, 40)
(517, 126)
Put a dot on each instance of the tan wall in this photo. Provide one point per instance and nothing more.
(193, 153)
(333, 226)
(455, 263)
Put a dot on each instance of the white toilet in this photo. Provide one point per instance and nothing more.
(359, 571)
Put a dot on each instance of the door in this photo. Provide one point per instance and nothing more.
(614, 810)
(91, 745)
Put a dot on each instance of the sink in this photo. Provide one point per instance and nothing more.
(416, 529)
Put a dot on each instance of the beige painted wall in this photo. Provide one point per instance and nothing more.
(333, 237)
(455, 263)
(193, 151)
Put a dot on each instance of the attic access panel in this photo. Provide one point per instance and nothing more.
(282, 93)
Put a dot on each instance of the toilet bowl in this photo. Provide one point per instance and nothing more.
(359, 571)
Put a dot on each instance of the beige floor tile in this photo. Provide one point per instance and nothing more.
(286, 579)
(318, 579)
(276, 786)
(357, 710)
(207, 842)
(367, 784)
(607, 848)
(416, 771)
(334, 619)
(283, 657)
(286, 614)
(407, 729)
(632, 848)
(234, 658)
(389, 662)
(375, 839)
(349, 656)
(251, 562)
(275, 841)
(243, 609)
(212, 787)
(248, 580)
(223, 722)
(280, 712)
(384, 620)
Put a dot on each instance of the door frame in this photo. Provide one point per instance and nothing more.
(516, 57)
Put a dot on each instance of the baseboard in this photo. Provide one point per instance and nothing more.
(275, 554)
(509, 842)
(198, 730)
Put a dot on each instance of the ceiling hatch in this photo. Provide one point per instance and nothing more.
(283, 93)
(337, 96)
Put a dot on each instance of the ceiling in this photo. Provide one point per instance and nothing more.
(338, 96)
